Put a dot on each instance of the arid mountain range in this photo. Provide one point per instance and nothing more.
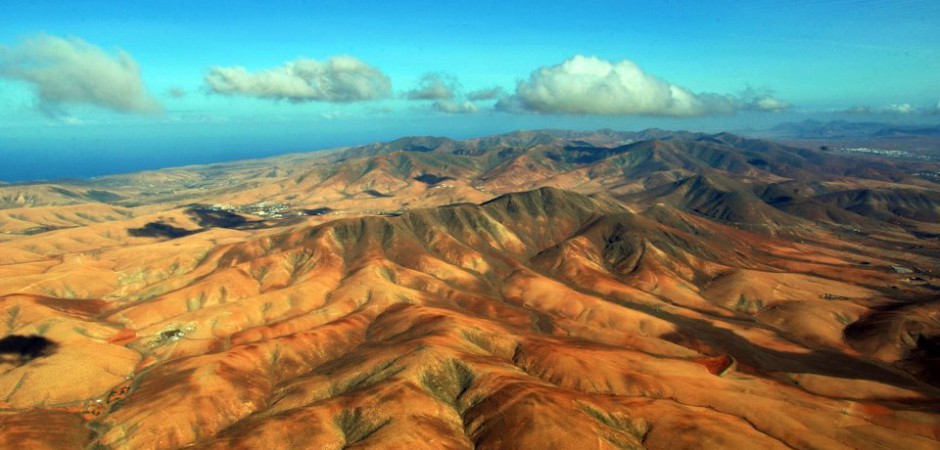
(543, 290)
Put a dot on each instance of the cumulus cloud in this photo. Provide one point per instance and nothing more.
(454, 107)
(590, 85)
(857, 110)
(485, 94)
(760, 100)
(894, 108)
(435, 86)
(71, 71)
(337, 80)
(444, 90)
(902, 108)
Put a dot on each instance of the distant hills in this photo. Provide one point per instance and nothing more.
(752, 182)
(840, 129)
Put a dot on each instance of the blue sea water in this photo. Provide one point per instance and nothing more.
(89, 153)
(83, 160)
(52, 153)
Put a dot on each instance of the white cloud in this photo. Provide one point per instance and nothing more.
(435, 86)
(444, 89)
(894, 108)
(339, 79)
(71, 71)
(485, 94)
(857, 110)
(454, 107)
(902, 108)
(760, 100)
(69, 120)
(590, 85)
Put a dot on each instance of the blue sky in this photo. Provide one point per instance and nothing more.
(212, 81)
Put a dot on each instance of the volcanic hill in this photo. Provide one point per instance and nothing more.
(539, 289)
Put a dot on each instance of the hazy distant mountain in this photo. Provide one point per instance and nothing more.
(840, 129)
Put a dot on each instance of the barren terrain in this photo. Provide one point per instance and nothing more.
(658, 290)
